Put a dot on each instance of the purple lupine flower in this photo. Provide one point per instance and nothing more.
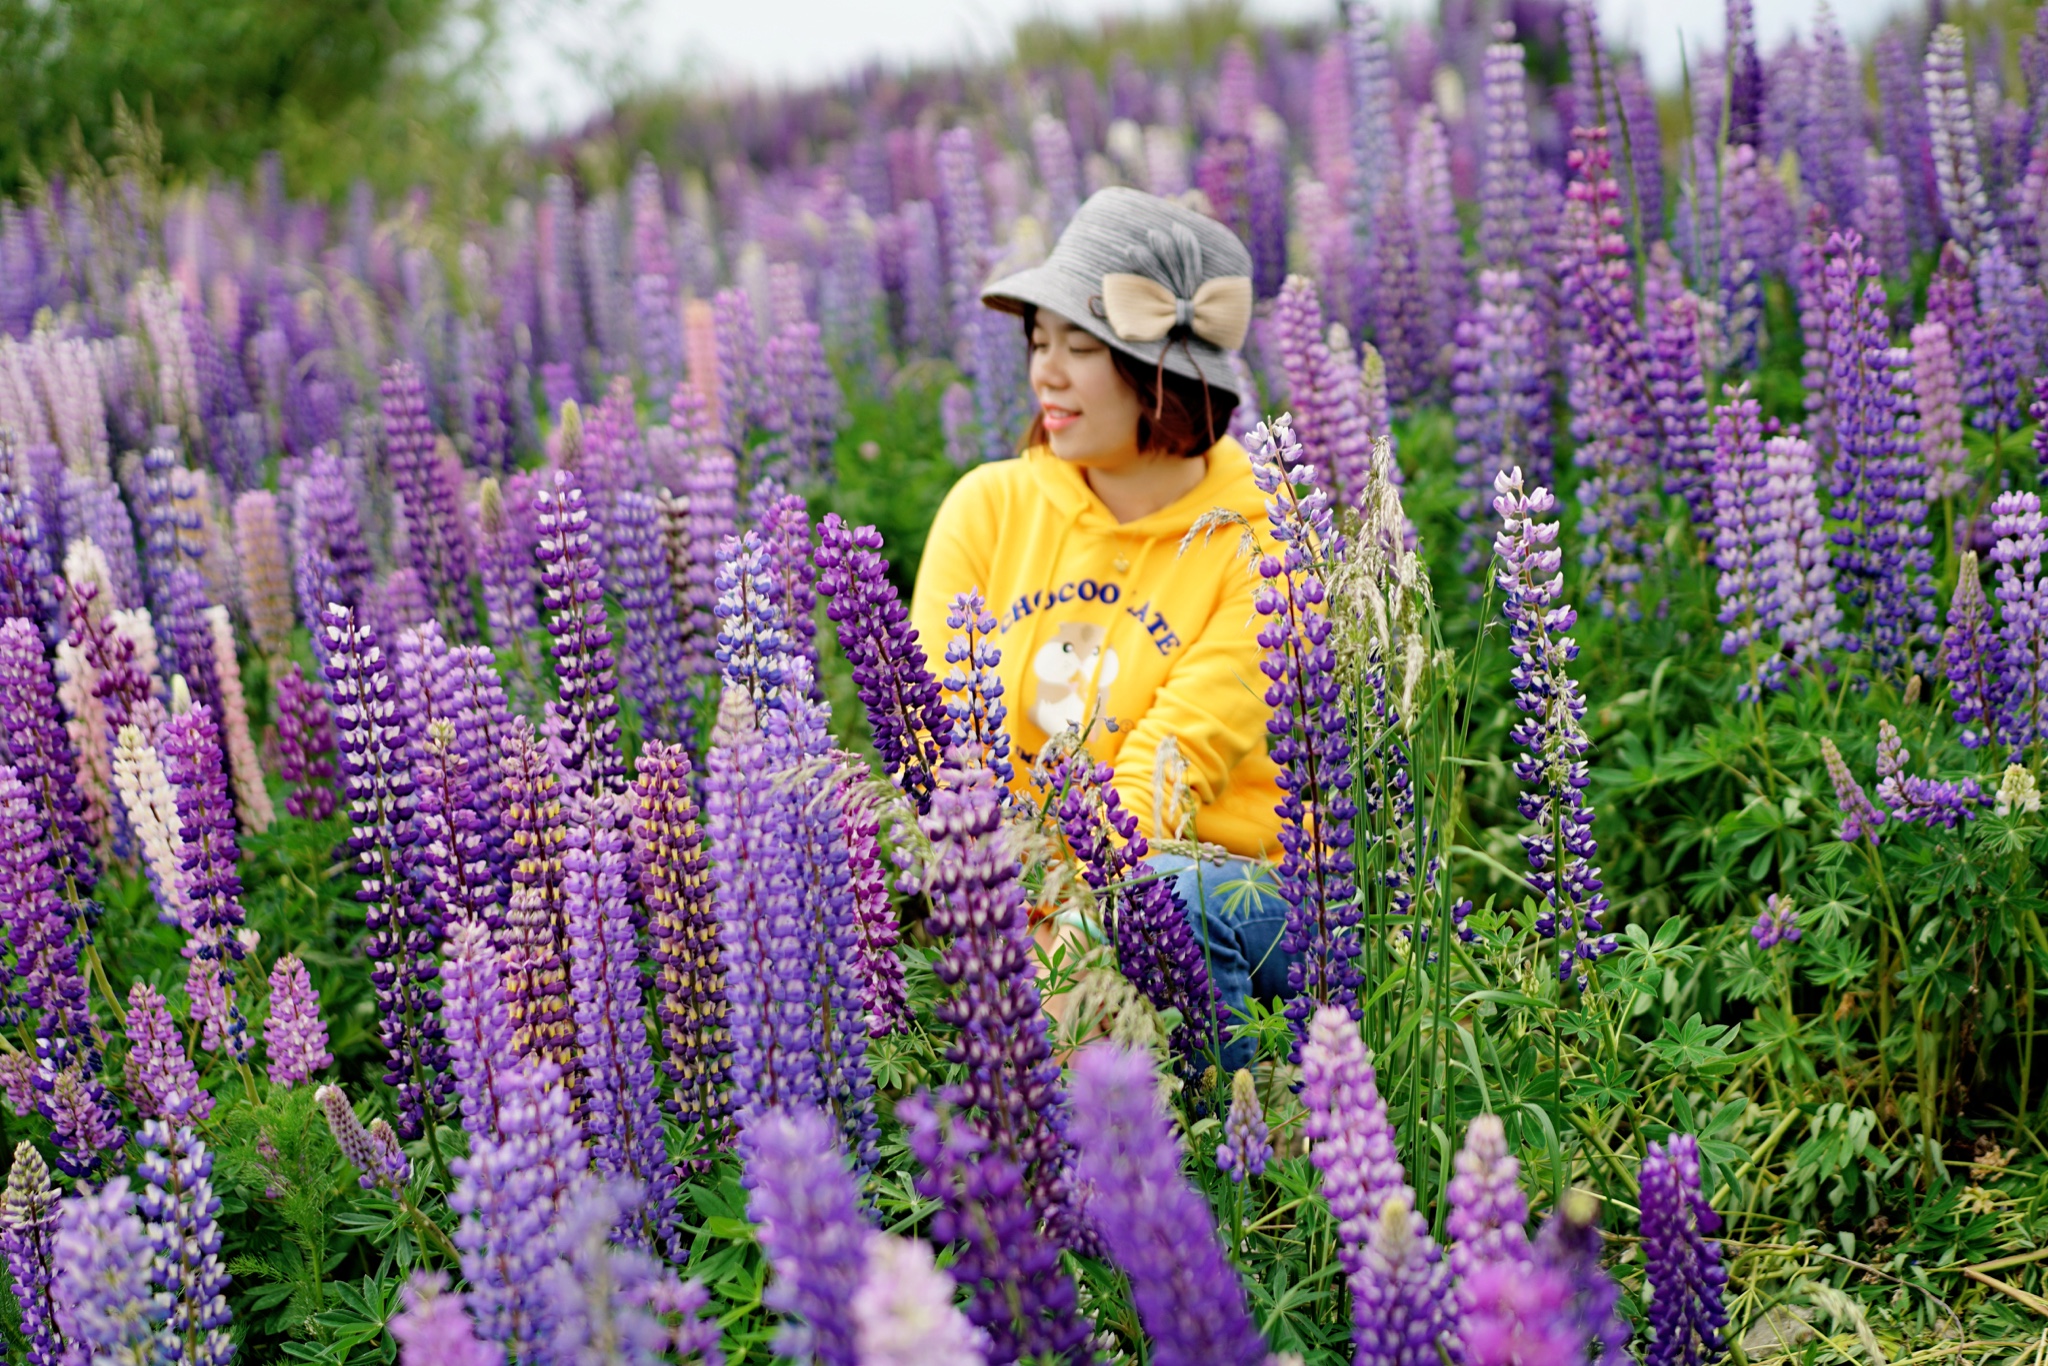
(435, 1329)
(1396, 312)
(403, 933)
(1307, 726)
(190, 744)
(1958, 174)
(295, 1036)
(1375, 151)
(505, 567)
(1806, 613)
(1155, 942)
(424, 480)
(2022, 594)
(1831, 152)
(179, 1208)
(1681, 1263)
(1018, 1294)
(657, 325)
(1352, 1138)
(1569, 1245)
(1552, 730)
(1506, 238)
(621, 1112)
(1881, 218)
(161, 1079)
(903, 1312)
(1777, 923)
(1500, 391)
(1517, 1313)
(1678, 388)
(28, 1229)
(609, 1302)
(2038, 411)
(372, 1150)
(974, 709)
(1859, 817)
(535, 937)
(987, 341)
(1952, 302)
(676, 887)
(1744, 533)
(1877, 475)
(957, 421)
(1399, 1295)
(1911, 799)
(807, 1207)
(899, 694)
(561, 298)
(1938, 397)
(513, 1193)
(610, 457)
(305, 745)
(456, 853)
(584, 719)
(655, 672)
(1489, 1215)
(1247, 1144)
(1610, 387)
(104, 1306)
(1323, 389)
(1970, 658)
(182, 627)
(1158, 1229)
(479, 1028)
(883, 997)
(34, 743)
(711, 486)
(1439, 241)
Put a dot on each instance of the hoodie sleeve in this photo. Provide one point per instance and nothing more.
(1213, 702)
(956, 552)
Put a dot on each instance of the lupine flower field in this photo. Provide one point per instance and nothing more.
(492, 876)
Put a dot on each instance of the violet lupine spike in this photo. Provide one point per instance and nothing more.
(974, 706)
(105, 1307)
(1247, 1143)
(905, 714)
(1808, 617)
(1500, 391)
(1506, 236)
(1552, 730)
(1927, 801)
(161, 1079)
(1018, 1294)
(435, 1329)
(1489, 1216)
(2038, 411)
(884, 999)
(1970, 657)
(689, 980)
(1952, 302)
(1859, 817)
(1155, 943)
(535, 940)
(456, 851)
(505, 568)
(621, 1110)
(28, 1233)
(1158, 1228)
(34, 743)
(1399, 1296)
(655, 670)
(150, 807)
(1958, 172)
(213, 885)
(1877, 476)
(1678, 386)
(180, 1210)
(376, 1160)
(1938, 397)
(608, 1302)
(1353, 1138)
(182, 626)
(513, 1193)
(403, 935)
(1743, 531)
(1682, 1264)
(1324, 390)
(903, 1312)
(295, 1036)
(806, 1205)
(584, 719)
(1512, 1313)
(2022, 595)
(479, 1028)
(305, 745)
(1609, 380)
(253, 807)
(1309, 743)
(785, 529)
(656, 325)
(1777, 923)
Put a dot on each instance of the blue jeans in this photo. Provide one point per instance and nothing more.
(1235, 910)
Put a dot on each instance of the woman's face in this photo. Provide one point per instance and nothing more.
(1090, 411)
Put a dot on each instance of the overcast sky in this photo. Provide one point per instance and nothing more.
(567, 55)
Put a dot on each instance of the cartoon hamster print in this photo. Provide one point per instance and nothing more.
(1062, 668)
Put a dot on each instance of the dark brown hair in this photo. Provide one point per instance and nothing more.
(1176, 414)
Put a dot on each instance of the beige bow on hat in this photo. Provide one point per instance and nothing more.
(1140, 309)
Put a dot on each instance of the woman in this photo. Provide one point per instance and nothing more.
(1107, 623)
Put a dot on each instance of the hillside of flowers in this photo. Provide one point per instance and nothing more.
(491, 877)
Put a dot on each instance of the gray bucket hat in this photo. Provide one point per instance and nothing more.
(1152, 278)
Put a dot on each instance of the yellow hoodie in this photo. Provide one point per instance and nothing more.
(1166, 642)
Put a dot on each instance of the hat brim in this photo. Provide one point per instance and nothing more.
(1058, 291)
